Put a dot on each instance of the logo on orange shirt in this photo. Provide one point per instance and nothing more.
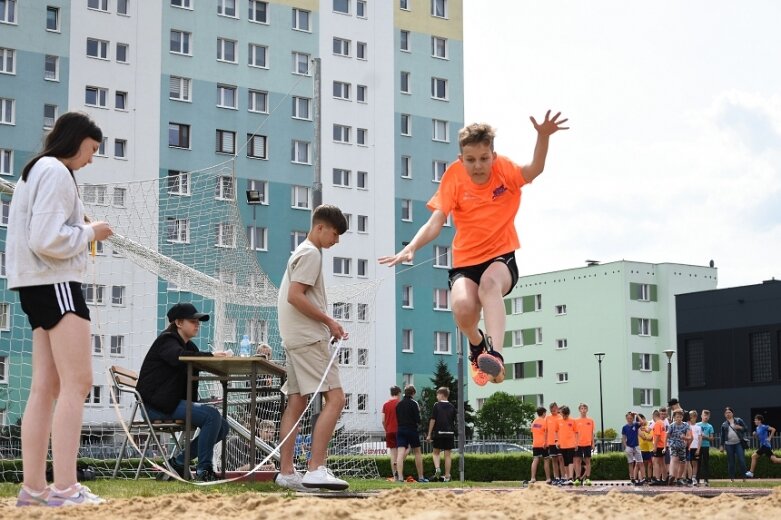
(499, 191)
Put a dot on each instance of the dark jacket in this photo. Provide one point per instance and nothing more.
(742, 434)
(162, 381)
(408, 414)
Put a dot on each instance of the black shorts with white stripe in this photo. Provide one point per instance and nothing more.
(45, 305)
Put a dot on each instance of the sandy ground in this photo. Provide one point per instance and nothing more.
(539, 502)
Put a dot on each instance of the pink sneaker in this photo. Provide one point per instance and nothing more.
(28, 498)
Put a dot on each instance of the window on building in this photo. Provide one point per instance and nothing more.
(341, 133)
(362, 137)
(258, 11)
(407, 340)
(118, 295)
(300, 197)
(120, 100)
(226, 235)
(97, 48)
(362, 180)
(186, 4)
(95, 194)
(406, 83)
(178, 135)
(439, 8)
(645, 327)
(94, 294)
(94, 396)
(439, 47)
(177, 230)
(561, 344)
(439, 88)
(345, 353)
(6, 161)
(438, 170)
(561, 310)
(361, 94)
(102, 147)
(341, 90)
(562, 377)
(5, 318)
(119, 198)
(362, 267)
(442, 342)
(342, 266)
(363, 357)
(406, 167)
(296, 239)
(406, 124)
(645, 363)
(404, 41)
(5, 208)
(96, 97)
(302, 108)
(180, 42)
(257, 146)
(225, 141)
(258, 101)
(301, 63)
(341, 47)
(363, 223)
(442, 256)
(407, 301)
(360, 8)
(51, 68)
(226, 8)
(8, 61)
(257, 237)
(404, 5)
(122, 7)
(406, 210)
(341, 6)
(8, 11)
(98, 5)
(441, 300)
(7, 111)
(178, 182)
(260, 187)
(123, 52)
(362, 51)
(440, 131)
(301, 153)
(179, 88)
(302, 20)
(225, 189)
(226, 51)
(117, 345)
(761, 357)
(52, 18)
(226, 96)
(120, 148)
(3, 377)
(341, 177)
(49, 115)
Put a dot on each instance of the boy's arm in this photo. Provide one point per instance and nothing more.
(430, 428)
(544, 130)
(428, 232)
(296, 296)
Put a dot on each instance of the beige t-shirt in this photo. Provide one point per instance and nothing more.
(305, 266)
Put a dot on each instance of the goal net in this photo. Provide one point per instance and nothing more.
(180, 238)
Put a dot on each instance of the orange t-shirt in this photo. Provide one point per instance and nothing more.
(661, 432)
(483, 215)
(567, 430)
(553, 422)
(539, 429)
(585, 426)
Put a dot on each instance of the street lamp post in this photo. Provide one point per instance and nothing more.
(600, 356)
(669, 353)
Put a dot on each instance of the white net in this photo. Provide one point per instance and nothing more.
(182, 238)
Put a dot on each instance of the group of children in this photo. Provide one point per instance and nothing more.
(564, 443)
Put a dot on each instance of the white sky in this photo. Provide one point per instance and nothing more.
(674, 154)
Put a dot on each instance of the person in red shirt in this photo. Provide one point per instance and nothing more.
(539, 441)
(585, 428)
(390, 426)
(482, 190)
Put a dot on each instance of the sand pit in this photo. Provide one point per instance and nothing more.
(539, 502)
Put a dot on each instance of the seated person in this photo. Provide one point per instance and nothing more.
(237, 456)
(162, 384)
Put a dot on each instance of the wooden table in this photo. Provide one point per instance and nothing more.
(225, 369)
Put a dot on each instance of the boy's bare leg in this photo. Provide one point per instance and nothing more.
(324, 428)
(494, 283)
(293, 410)
(419, 462)
(394, 453)
(400, 462)
(435, 459)
(448, 463)
(466, 308)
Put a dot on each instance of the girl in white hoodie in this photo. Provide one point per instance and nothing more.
(46, 249)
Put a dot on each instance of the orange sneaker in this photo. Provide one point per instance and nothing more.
(475, 351)
(492, 364)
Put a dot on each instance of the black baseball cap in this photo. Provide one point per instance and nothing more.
(185, 311)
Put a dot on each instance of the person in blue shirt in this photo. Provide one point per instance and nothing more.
(763, 433)
(703, 470)
(631, 443)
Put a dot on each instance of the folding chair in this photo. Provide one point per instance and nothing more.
(124, 382)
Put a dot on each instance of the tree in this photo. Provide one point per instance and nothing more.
(503, 416)
(428, 397)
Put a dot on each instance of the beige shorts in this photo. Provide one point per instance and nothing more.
(305, 367)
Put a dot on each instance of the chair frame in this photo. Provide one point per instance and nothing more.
(124, 382)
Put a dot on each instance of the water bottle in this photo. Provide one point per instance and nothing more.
(244, 346)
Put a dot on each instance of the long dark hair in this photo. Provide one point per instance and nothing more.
(66, 137)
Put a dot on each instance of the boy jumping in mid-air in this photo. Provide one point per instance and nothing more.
(483, 192)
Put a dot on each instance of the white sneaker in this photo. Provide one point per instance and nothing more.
(292, 481)
(749, 474)
(322, 477)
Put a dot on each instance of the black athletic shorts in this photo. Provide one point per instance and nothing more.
(539, 452)
(407, 438)
(553, 451)
(568, 454)
(45, 305)
(764, 450)
(475, 272)
(443, 442)
(584, 452)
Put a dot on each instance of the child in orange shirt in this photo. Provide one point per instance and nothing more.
(483, 192)
(567, 444)
(539, 441)
(585, 429)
